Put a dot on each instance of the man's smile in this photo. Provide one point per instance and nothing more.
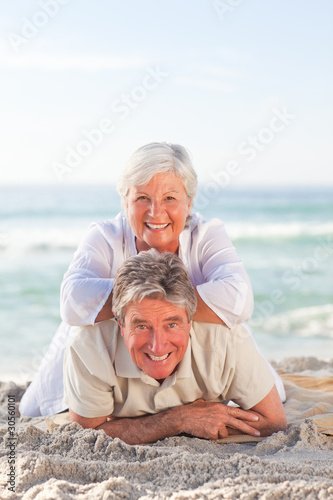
(158, 358)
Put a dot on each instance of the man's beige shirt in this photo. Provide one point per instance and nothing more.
(220, 364)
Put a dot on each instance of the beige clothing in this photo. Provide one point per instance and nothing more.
(101, 379)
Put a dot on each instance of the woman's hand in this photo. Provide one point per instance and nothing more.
(106, 311)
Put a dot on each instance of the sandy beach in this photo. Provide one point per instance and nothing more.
(55, 459)
(87, 89)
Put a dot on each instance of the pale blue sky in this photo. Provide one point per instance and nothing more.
(246, 86)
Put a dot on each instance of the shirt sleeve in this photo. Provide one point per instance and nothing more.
(86, 388)
(88, 283)
(226, 287)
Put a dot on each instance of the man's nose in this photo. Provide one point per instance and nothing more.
(157, 342)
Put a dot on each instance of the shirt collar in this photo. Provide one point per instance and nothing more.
(128, 239)
(123, 363)
(185, 242)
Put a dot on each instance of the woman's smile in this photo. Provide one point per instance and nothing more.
(154, 226)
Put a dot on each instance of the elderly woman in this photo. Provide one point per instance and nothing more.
(157, 188)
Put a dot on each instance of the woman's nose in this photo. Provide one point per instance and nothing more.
(156, 208)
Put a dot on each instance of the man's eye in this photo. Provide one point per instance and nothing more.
(141, 327)
(172, 325)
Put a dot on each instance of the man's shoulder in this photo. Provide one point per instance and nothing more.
(209, 336)
(101, 336)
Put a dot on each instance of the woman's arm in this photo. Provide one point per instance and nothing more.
(204, 313)
(219, 275)
(87, 285)
(106, 311)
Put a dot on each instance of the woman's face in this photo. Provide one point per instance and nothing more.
(157, 212)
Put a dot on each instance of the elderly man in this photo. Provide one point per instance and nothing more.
(148, 374)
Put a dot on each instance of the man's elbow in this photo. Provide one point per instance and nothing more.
(86, 423)
(74, 417)
(282, 424)
(273, 426)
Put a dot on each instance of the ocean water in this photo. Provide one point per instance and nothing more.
(283, 235)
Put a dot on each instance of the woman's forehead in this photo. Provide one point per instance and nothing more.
(166, 181)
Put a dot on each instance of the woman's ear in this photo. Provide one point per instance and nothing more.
(189, 207)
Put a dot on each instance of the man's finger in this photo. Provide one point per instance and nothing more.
(223, 432)
(242, 414)
(240, 425)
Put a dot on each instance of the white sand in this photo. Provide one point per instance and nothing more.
(72, 463)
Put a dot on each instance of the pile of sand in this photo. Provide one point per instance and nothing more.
(73, 463)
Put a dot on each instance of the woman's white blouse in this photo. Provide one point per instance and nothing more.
(204, 247)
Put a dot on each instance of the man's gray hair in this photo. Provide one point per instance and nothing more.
(153, 275)
(156, 158)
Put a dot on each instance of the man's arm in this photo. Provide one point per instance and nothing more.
(271, 416)
(201, 419)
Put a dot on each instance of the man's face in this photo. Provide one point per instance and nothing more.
(156, 334)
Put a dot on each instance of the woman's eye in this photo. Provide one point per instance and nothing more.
(142, 198)
(170, 198)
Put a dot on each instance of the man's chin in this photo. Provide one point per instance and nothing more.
(160, 374)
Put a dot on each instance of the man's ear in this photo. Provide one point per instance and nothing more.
(120, 326)
(115, 317)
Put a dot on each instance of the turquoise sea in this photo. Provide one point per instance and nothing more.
(283, 235)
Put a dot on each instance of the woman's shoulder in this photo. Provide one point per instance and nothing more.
(203, 234)
(200, 223)
(111, 230)
(115, 226)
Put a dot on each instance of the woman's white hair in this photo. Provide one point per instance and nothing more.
(156, 158)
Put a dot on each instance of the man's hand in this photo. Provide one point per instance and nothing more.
(210, 420)
(214, 421)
